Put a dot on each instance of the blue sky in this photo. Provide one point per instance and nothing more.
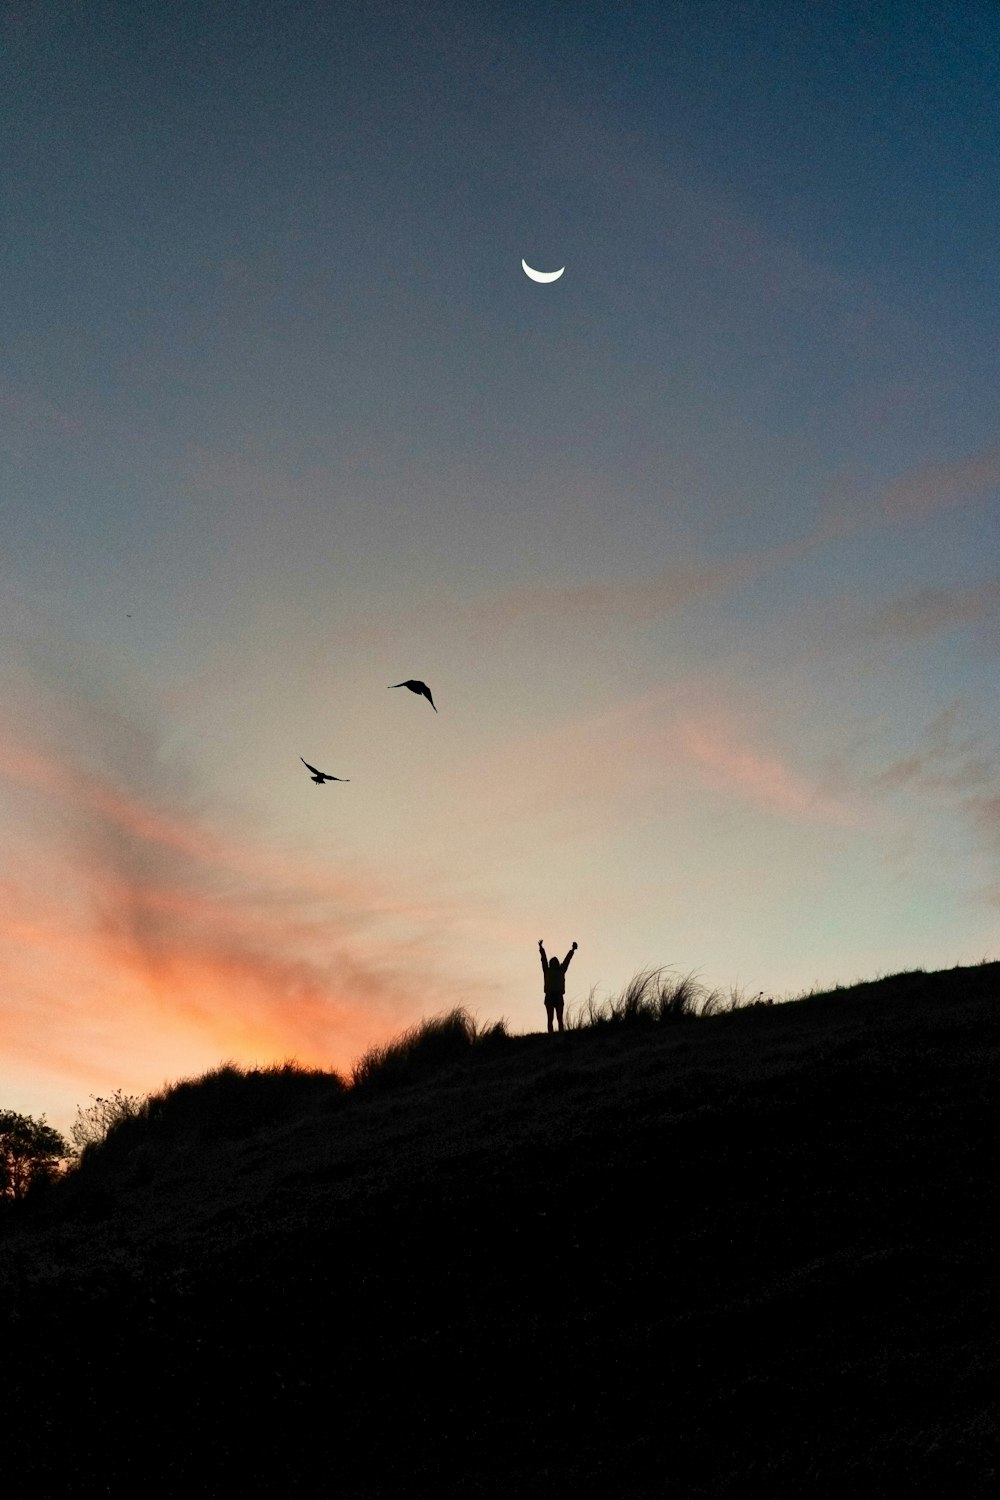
(695, 546)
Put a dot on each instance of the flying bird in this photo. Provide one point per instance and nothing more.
(320, 776)
(417, 687)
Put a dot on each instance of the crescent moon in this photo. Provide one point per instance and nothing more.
(541, 275)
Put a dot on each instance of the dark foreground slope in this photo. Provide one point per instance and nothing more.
(753, 1254)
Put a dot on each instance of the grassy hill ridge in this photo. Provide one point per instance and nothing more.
(747, 1252)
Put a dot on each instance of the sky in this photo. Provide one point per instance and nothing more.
(695, 546)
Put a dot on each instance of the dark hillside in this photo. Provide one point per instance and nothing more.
(747, 1254)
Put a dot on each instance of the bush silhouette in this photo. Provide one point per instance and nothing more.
(226, 1103)
(422, 1049)
(93, 1124)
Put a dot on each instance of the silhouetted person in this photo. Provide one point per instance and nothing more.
(555, 983)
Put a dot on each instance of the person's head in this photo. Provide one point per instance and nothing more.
(553, 963)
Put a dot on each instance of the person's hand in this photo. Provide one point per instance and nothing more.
(574, 945)
(541, 943)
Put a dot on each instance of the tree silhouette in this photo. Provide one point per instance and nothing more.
(30, 1151)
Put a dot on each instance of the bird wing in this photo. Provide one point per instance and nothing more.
(310, 768)
(417, 687)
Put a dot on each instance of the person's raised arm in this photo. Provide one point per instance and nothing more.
(566, 960)
(541, 954)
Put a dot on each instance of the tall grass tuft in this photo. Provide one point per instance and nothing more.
(652, 995)
(423, 1049)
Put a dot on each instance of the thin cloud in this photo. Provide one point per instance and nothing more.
(922, 491)
(31, 423)
(944, 759)
(730, 764)
(984, 813)
(929, 611)
(646, 746)
(137, 819)
(954, 769)
(637, 600)
(594, 605)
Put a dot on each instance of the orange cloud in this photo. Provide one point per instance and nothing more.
(53, 776)
(137, 818)
(136, 932)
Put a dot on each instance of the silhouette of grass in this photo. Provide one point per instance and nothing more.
(423, 1049)
(230, 1102)
(652, 995)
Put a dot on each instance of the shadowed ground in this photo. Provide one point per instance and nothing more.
(750, 1253)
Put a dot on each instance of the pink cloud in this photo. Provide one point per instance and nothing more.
(728, 764)
(648, 746)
